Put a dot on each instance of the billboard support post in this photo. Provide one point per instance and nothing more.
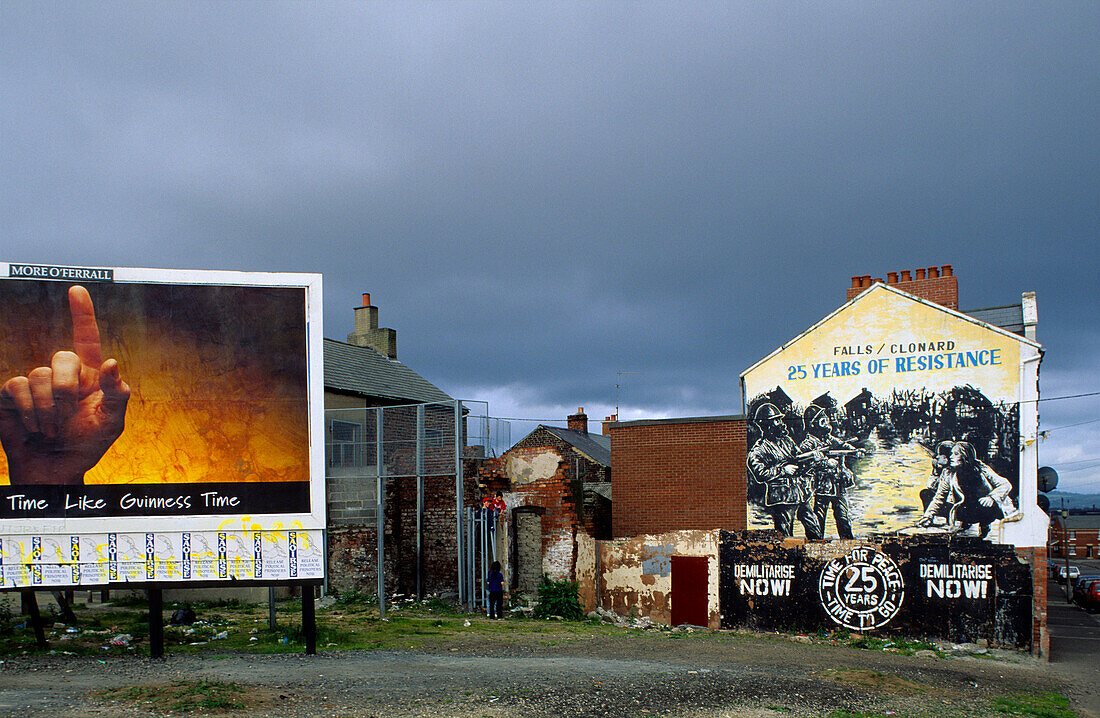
(30, 605)
(309, 620)
(156, 623)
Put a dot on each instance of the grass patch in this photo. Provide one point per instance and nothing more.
(1034, 705)
(897, 644)
(876, 681)
(183, 696)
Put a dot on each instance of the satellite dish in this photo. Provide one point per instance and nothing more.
(1048, 479)
(1044, 503)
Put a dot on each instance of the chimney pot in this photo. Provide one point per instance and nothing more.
(891, 277)
(920, 274)
(906, 276)
(946, 270)
(865, 280)
(878, 280)
(933, 272)
(366, 299)
(855, 282)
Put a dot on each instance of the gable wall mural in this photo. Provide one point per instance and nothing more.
(895, 415)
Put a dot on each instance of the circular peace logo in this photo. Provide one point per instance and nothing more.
(861, 590)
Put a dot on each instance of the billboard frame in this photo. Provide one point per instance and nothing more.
(309, 522)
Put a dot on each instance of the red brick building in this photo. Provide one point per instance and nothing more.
(673, 474)
(1077, 533)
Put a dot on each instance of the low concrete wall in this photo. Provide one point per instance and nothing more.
(637, 573)
(960, 589)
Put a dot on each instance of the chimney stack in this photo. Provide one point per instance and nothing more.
(932, 284)
(578, 421)
(367, 333)
(607, 422)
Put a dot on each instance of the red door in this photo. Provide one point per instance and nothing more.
(689, 590)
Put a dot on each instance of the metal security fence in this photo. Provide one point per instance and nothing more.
(365, 448)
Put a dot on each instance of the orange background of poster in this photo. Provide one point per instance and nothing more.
(217, 375)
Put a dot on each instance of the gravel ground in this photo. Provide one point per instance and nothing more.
(635, 675)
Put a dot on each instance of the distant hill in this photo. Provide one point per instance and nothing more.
(1074, 502)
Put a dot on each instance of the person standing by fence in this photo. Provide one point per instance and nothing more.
(495, 580)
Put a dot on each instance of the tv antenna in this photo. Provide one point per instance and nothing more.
(619, 385)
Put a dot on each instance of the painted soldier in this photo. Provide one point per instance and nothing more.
(772, 462)
(829, 476)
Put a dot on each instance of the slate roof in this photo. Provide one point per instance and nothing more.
(1080, 521)
(596, 447)
(1009, 317)
(363, 371)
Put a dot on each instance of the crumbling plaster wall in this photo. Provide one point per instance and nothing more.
(587, 568)
(539, 477)
(636, 573)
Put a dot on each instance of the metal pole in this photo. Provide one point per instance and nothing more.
(380, 506)
(471, 596)
(459, 502)
(1065, 550)
(485, 518)
(420, 502)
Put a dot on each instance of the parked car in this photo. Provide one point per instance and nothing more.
(1073, 571)
(1074, 580)
(1091, 599)
(1082, 586)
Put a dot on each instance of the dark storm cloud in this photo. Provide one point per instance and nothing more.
(542, 195)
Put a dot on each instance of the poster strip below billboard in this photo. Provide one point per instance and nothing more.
(55, 560)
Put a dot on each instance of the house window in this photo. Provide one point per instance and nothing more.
(1072, 535)
(433, 437)
(1072, 550)
(346, 448)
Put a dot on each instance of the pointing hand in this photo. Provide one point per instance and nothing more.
(58, 421)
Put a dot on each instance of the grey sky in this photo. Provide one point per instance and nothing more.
(540, 195)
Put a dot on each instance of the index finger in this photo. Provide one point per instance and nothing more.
(85, 329)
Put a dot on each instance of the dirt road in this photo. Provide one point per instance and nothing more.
(633, 675)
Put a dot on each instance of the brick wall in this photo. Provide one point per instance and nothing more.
(353, 546)
(934, 284)
(1083, 543)
(1040, 638)
(677, 474)
(542, 471)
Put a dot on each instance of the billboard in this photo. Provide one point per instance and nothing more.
(893, 414)
(159, 425)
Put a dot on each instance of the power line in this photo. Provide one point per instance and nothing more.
(559, 420)
(1044, 432)
(1070, 396)
(1079, 461)
(1082, 468)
